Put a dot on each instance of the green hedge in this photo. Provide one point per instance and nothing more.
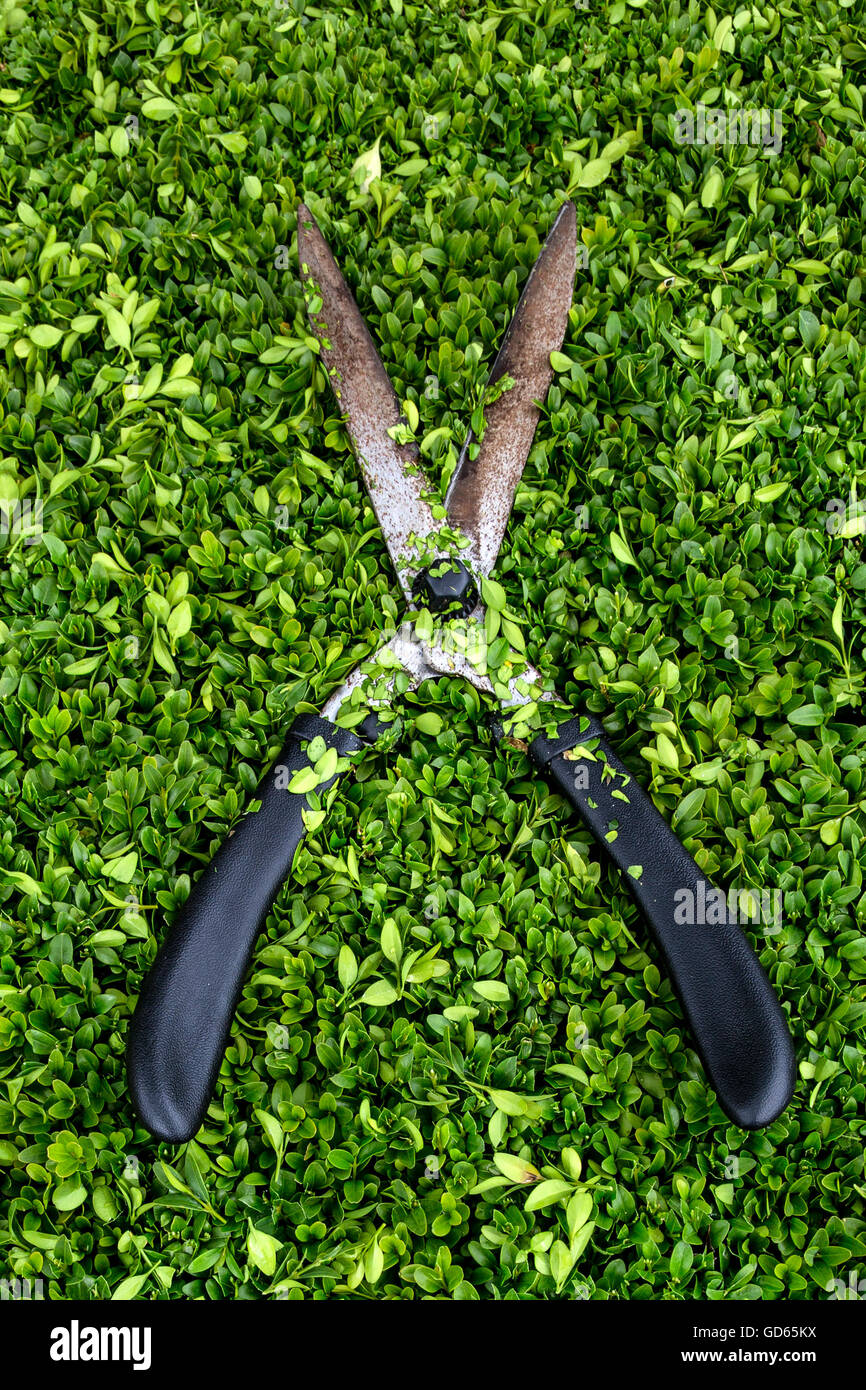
(188, 557)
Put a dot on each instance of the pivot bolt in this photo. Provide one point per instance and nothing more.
(446, 586)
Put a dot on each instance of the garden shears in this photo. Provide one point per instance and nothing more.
(443, 557)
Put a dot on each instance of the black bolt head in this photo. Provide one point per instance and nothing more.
(446, 586)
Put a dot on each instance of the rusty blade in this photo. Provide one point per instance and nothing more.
(482, 490)
(367, 402)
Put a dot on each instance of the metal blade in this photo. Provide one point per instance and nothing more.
(482, 489)
(402, 651)
(367, 401)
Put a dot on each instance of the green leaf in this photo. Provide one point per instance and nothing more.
(810, 328)
(410, 167)
(571, 1161)
(326, 766)
(347, 967)
(84, 666)
(130, 1288)
(493, 595)
(546, 1193)
(45, 335)
(495, 991)
(712, 188)
(392, 947)
(807, 716)
(374, 1263)
(668, 756)
(621, 550)
(681, 1260)
(25, 883)
(62, 480)
(578, 1212)
(593, 173)
(180, 620)
(581, 1241)
(510, 52)
(158, 109)
(69, 1195)
(104, 1204)
(233, 141)
(516, 1169)
(836, 620)
(262, 1250)
(109, 565)
(830, 831)
(770, 492)
(367, 167)
(305, 780)
(381, 993)
(124, 869)
(118, 328)
(273, 1129)
(430, 724)
(508, 1102)
(561, 1263)
(118, 142)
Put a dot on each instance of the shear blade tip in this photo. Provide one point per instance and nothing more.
(567, 214)
(306, 220)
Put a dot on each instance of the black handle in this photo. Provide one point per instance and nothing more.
(182, 1021)
(738, 1026)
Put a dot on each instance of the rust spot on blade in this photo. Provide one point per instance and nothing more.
(482, 490)
(367, 401)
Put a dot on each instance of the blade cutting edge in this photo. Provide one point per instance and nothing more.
(368, 403)
(482, 490)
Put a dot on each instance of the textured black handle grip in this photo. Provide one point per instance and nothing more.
(738, 1026)
(181, 1024)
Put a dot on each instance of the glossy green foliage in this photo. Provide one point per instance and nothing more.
(457, 1069)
